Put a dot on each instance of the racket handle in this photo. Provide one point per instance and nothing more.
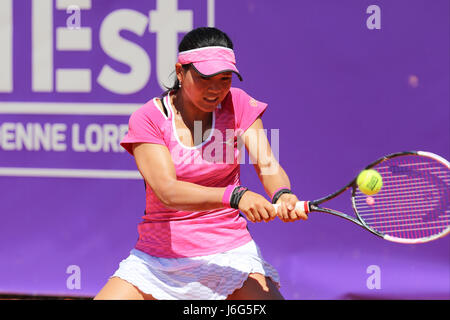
(302, 205)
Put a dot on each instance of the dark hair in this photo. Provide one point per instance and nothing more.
(200, 38)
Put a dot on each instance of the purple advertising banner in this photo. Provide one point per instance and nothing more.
(346, 83)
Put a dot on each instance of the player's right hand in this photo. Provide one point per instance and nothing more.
(256, 208)
(287, 210)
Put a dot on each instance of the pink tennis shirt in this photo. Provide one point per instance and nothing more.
(170, 233)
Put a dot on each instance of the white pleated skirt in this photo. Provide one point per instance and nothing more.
(211, 277)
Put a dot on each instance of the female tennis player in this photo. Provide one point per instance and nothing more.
(193, 242)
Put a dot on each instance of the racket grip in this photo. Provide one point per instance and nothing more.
(303, 206)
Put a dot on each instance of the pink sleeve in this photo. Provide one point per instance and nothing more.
(246, 109)
(141, 128)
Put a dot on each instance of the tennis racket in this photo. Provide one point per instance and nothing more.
(413, 206)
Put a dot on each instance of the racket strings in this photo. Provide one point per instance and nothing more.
(414, 200)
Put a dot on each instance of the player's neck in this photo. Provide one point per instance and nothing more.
(188, 111)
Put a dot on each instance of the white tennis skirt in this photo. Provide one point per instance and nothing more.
(211, 277)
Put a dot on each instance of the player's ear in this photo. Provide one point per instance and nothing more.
(179, 71)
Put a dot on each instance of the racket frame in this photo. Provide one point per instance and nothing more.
(313, 206)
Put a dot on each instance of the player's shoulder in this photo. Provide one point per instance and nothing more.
(239, 99)
(237, 92)
(234, 96)
(152, 110)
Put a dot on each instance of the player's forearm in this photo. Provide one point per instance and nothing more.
(273, 177)
(188, 196)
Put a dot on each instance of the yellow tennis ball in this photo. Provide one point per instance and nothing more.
(369, 182)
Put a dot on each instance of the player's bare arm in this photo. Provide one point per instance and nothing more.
(156, 166)
(271, 174)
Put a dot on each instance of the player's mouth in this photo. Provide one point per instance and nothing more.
(211, 100)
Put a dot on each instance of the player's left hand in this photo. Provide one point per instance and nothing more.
(287, 212)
